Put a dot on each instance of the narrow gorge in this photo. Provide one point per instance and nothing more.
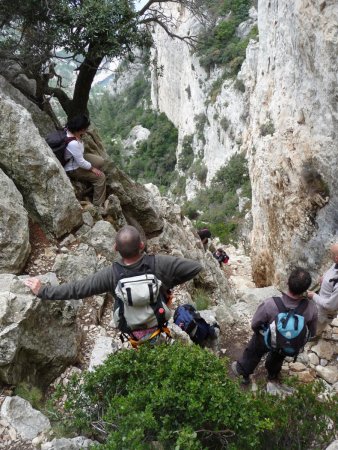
(234, 128)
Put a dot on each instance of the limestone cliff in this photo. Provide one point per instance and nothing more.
(286, 121)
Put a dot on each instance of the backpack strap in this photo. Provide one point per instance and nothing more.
(121, 271)
(69, 139)
(280, 305)
(302, 306)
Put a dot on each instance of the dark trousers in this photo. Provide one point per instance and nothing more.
(254, 352)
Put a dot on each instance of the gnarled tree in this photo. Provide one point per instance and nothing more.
(89, 31)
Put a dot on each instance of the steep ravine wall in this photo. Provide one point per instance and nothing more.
(293, 169)
(181, 87)
(286, 121)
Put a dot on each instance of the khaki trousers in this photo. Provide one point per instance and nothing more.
(99, 183)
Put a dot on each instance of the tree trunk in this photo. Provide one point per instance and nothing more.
(87, 72)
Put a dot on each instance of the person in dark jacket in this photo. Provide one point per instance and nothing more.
(298, 282)
(221, 256)
(204, 235)
(169, 269)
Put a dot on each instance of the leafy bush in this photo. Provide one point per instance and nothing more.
(267, 128)
(179, 188)
(30, 393)
(201, 299)
(200, 170)
(218, 44)
(201, 120)
(181, 397)
(155, 159)
(186, 157)
(224, 122)
(178, 396)
(301, 421)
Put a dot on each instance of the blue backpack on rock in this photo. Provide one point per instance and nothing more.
(288, 333)
(190, 321)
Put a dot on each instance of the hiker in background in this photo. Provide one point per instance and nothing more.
(221, 256)
(139, 283)
(264, 321)
(327, 298)
(204, 235)
(80, 168)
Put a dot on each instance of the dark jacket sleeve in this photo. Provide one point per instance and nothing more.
(98, 283)
(260, 318)
(173, 271)
(312, 323)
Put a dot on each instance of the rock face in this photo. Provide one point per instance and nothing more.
(41, 120)
(285, 120)
(137, 135)
(26, 421)
(14, 234)
(183, 91)
(38, 339)
(291, 137)
(28, 161)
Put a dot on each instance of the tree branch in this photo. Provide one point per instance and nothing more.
(62, 97)
(190, 40)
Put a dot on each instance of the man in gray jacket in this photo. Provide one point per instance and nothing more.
(327, 299)
(298, 282)
(170, 270)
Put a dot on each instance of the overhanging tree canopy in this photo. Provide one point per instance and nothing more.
(90, 31)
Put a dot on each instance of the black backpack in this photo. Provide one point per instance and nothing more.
(58, 141)
(139, 297)
(190, 321)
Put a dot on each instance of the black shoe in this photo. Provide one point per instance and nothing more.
(273, 376)
(245, 378)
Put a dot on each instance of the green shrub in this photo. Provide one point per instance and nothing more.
(239, 85)
(190, 211)
(186, 157)
(180, 397)
(219, 202)
(201, 120)
(199, 169)
(267, 128)
(155, 159)
(218, 43)
(30, 393)
(224, 122)
(201, 299)
(179, 188)
(301, 421)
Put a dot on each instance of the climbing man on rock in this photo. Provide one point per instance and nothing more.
(291, 303)
(140, 283)
(327, 298)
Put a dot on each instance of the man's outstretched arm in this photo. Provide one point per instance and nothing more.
(96, 284)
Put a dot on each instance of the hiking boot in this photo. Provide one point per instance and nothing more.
(215, 331)
(274, 377)
(234, 367)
